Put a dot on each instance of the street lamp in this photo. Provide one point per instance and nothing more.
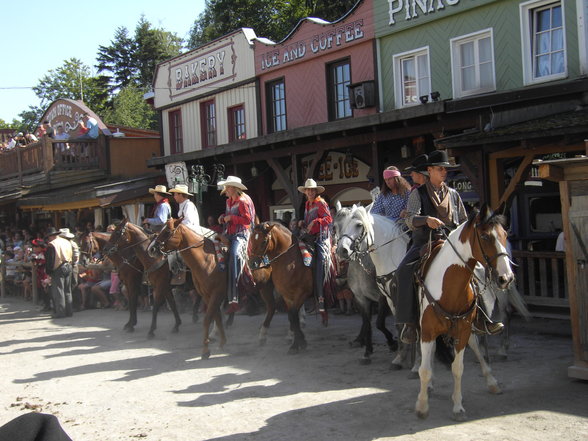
(198, 182)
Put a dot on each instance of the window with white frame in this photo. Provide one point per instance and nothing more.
(413, 78)
(543, 41)
(472, 63)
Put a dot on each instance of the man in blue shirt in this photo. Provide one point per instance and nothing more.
(89, 126)
(161, 211)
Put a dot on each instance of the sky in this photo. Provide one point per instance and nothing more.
(52, 32)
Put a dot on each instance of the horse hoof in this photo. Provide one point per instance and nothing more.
(129, 329)
(395, 367)
(422, 415)
(205, 355)
(393, 347)
(365, 361)
(355, 344)
(502, 357)
(195, 318)
(151, 336)
(494, 389)
(262, 341)
(413, 375)
(175, 330)
(460, 416)
(293, 351)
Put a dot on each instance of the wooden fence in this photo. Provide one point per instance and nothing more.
(541, 277)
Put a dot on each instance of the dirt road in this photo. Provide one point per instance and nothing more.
(104, 384)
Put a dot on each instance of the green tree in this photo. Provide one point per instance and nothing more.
(72, 80)
(30, 118)
(119, 60)
(131, 110)
(153, 46)
(273, 19)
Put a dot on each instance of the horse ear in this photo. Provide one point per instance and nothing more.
(485, 213)
(338, 205)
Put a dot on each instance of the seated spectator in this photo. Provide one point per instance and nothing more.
(61, 149)
(11, 143)
(88, 278)
(88, 127)
(30, 138)
(100, 291)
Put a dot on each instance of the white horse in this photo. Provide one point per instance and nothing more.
(374, 246)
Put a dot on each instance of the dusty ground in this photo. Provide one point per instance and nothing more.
(104, 384)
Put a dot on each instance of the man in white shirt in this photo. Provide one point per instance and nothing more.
(187, 209)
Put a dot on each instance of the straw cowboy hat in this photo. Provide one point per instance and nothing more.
(232, 181)
(180, 188)
(440, 158)
(311, 183)
(419, 165)
(159, 189)
(64, 232)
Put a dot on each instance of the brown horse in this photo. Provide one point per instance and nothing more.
(128, 237)
(292, 279)
(448, 302)
(130, 269)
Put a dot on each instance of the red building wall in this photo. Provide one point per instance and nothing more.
(302, 59)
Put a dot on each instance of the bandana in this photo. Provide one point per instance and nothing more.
(391, 173)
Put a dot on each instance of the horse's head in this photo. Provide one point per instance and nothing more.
(488, 241)
(260, 242)
(120, 238)
(168, 238)
(350, 230)
(88, 246)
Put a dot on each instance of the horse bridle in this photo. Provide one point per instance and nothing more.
(114, 248)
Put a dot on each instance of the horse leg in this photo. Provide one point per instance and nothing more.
(491, 382)
(299, 342)
(425, 374)
(459, 413)
(267, 294)
(206, 333)
(169, 296)
(133, 293)
(196, 307)
(158, 300)
(383, 312)
(363, 305)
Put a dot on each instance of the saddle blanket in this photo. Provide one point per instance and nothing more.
(305, 252)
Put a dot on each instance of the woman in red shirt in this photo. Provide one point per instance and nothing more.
(317, 220)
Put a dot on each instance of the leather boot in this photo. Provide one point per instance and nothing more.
(482, 325)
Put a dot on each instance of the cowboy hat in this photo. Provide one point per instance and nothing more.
(182, 189)
(64, 232)
(51, 231)
(311, 183)
(232, 181)
(439, 158)
(159, 189)
(419, 165)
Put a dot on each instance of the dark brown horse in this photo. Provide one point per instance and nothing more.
(128, 237)
(292, 279)
(130, 269)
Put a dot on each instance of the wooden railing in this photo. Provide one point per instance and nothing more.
(49, 154)
(541, 277)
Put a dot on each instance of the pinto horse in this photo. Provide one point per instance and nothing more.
(128, 237)
(130, 270)
(292, 279)
(448, 301)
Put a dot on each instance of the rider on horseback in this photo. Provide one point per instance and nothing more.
(239, 218)
(162, 210)
(433, 206)
(186, 208)
(317, 220)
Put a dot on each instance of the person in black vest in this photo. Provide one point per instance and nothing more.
(432, 206)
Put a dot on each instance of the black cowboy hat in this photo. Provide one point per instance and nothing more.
(439, 158)
(419, 164)
(51, 231)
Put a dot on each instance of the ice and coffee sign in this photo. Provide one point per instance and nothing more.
(334, 38)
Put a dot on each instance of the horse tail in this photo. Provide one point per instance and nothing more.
(517, 302)
(444, 352)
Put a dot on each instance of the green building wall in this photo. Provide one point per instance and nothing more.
(435, 30)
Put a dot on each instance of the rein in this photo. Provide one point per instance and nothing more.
(269, 263)
(196, 245)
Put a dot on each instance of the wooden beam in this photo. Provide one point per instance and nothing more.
(516, 179)
(546, 149)
(551, 172)
(289, 186)
(495, 181)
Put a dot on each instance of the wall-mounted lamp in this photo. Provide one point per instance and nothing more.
(424, 99)
(435, 96)
(404, 151)
(254, 171)
(348, 156)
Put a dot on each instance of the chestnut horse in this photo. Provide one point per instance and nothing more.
(448, 302)
(292, 279)
(130, 270)
(128, 237)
